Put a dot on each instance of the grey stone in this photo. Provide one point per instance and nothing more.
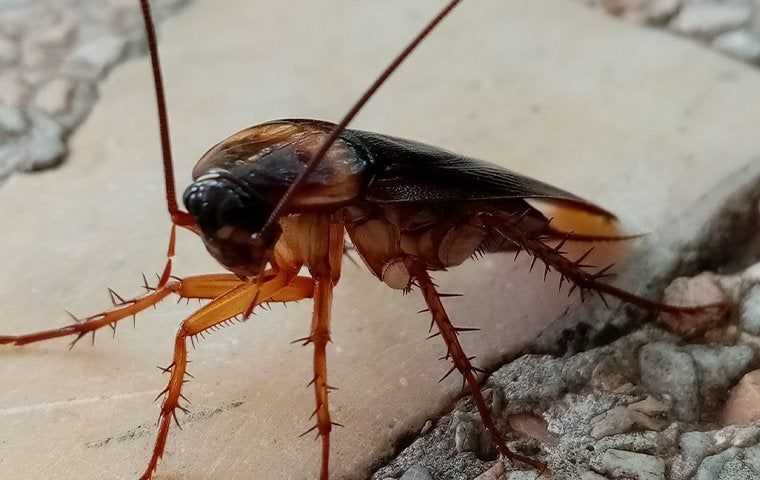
(531, 378)
(12, 122)
(43, 146)
(719, 369)
(466, 437)
(638, 442)
(623, 419)
(636, 466)
(735, 469)
(417, 472)
(741, 44)
(752, 457)
(66, 99)
(589, 475)
(711, 466)
(665, 370)
(693, 448)
(660, 11)
(708, 19)
(93, 59)
(749, 314)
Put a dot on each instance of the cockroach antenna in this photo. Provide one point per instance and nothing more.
(355, 109)
(178, 216)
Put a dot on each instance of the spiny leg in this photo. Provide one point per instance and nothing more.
(461, 361)
(200, 287)
(283, 287)
(320, 337)
(575, 272)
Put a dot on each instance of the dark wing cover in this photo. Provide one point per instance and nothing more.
(408, 171)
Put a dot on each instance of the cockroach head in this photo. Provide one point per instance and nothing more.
(231, 215)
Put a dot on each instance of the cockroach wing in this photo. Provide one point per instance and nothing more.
(411, 172)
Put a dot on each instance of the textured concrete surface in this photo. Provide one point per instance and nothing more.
(538, 86)
(53, 53)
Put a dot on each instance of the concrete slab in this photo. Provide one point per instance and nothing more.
(638, 121)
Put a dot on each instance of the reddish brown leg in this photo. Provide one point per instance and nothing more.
(197, 287)
(320, 337)
(462, 361)
(283, 287)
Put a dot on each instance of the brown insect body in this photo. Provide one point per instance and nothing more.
(277, 197)
(396, 197)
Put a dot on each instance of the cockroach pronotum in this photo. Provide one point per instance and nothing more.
(281, 196)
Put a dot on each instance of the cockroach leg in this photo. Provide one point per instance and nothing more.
(282, 287)
(578, 274)
(461, 361)
(196, 287)
(320, 337)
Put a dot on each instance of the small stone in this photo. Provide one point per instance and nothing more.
(665, 370)
(749, 312)
(752, 274)
(693, 447)
(741, 44)
(719, 369)
(12, 122)
(752, 457)
(93, 59)
(494, 473)
(426, 427)
(466, 437)
(702, 289)
(736, 469)
(589, 475)
(709, 19)
(522, 475)
(622, 419)
(54, 97)
(43, 146)
(416, 472)
(743, 405)
(652, 11)
(661, 11)
(635, 466)
(66, 99)
(711, 466)
(530, 426)
(609, 375)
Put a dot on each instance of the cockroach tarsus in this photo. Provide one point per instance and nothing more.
(283, 195)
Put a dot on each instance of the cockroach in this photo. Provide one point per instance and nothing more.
(283, 195)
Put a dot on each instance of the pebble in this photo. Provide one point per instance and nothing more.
(743, 405)
(736, 469)
(620, 464)
(711, 466)
(650, 11)
(665, 370)
(416, 472)
(741, 44)
(93, 59)
(719, 368)
(703, 289)
(749, 314)
(707, 19)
